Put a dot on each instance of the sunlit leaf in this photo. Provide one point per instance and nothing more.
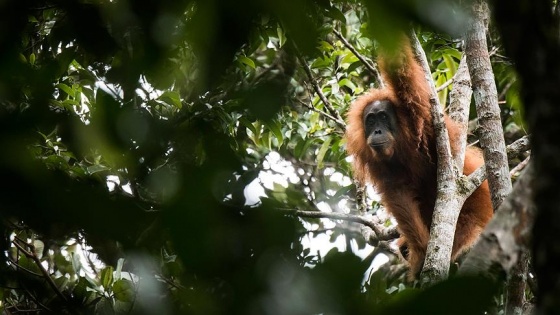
(76, 262)
(450, 64)
(106, 277)
(66, 89)
(118, 270)
(172, 98)
(347, 83)
(349, 58)
(325, 46)
(247, 61)
(38, 247)
(281, 36)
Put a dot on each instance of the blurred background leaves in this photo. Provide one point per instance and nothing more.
(148, 145)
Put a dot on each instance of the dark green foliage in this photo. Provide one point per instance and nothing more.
(130, 132)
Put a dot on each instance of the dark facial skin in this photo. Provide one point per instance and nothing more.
(380, 124)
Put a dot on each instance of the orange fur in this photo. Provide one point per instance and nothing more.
(407, 181)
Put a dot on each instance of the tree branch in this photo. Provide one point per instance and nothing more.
(444, 85)
(517, 283)
(499, 246)
(339, 121)
(477, 177)
(381, 233)
(326, 115)
(486, 100)
(459, 105)
(31, 255)
(372, 69)
(519, 167)
(518, 146)
(449, 201)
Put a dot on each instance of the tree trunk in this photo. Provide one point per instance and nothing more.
(490, 130)
(530, 34)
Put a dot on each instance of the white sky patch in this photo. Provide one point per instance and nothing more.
(112, 182)
(111, 89)
(127, 188)
(282, 172)
(253, 192)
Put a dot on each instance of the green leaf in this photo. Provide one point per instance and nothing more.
(171, 98)
(76, 263)
(298, 150)
(311, 141)
(247, 61)
(66, 89)
(82, 290)
(104, 306)
(324, 148)
(336, 14)
(325, 46)
(347, 83)
(245, 122)
(451, 64)
(61, 283)
(281, 36)
(39, 246)
(334, 89)
(106, 277)
(275, 127)
(265, 140)
(124, 290)
(349, 58)
(96, 169)
(453, 52)
(120, 263)
(321, 63)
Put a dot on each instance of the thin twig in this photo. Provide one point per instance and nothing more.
(444, 85)
(478, 176)
(327, 115)
(368, 65)
(339, 121)
(519, 167)
(34, 257)
(19, 267)
(382, 233)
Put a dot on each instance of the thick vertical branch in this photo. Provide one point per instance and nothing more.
(486, 99)
(448, 202)
(459, 105)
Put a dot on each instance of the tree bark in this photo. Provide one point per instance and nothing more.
(448, 201)
(517, 282)
(530, 34)
(459, 105)
(490, 130)
(506, 236)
